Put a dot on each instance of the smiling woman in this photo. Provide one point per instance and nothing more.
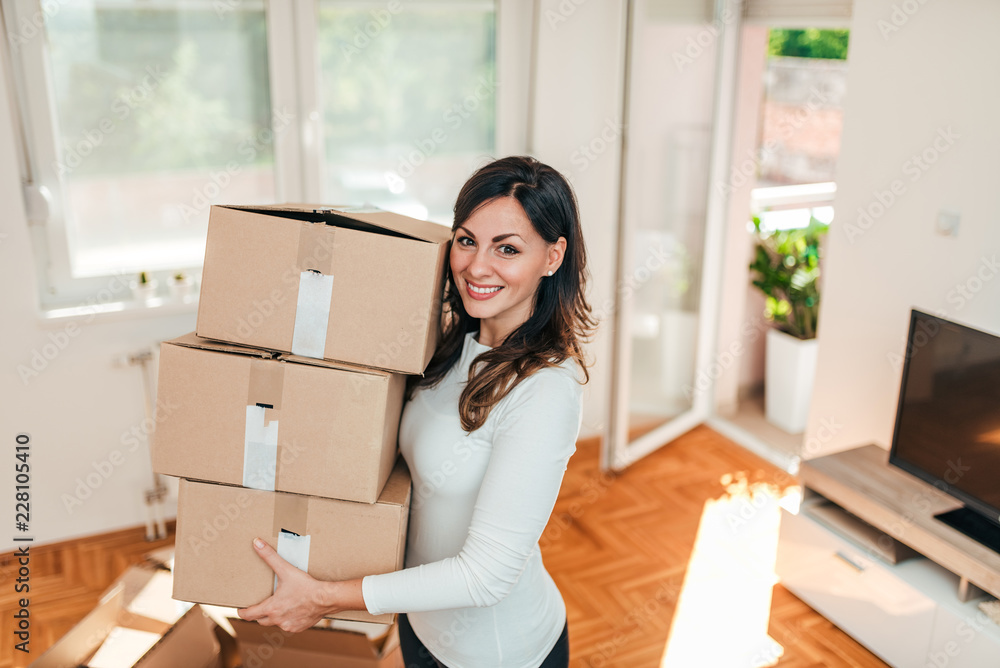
(503, 273)
(487, 433)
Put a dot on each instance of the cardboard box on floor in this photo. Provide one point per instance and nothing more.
(249, 417)
(270, 647)
(215, 562)
(111, 636)
(359, 286)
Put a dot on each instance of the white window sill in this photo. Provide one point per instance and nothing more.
(120, 311)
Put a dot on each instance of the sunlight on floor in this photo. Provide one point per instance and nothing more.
(722, 614)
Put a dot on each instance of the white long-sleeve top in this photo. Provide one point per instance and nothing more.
(474, 588)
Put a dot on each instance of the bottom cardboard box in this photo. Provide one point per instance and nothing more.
(215, 563)
(111, 637)
(336, 645)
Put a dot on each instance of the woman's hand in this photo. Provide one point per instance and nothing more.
(299, 601)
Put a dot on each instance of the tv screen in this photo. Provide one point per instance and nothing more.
(948, 421)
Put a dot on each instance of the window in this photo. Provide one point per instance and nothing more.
(410, 111)
(138, 115)
(802, 116)
(160, 110)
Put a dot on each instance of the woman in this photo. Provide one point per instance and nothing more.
(487, 433)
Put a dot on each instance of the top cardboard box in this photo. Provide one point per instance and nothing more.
(352, 285)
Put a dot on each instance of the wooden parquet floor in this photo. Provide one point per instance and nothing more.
(617, 546)
(619, 549)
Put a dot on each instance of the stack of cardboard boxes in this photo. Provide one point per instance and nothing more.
(280, 414)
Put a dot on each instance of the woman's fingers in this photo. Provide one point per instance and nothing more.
(271, 557)
(291, 607)
(255, 613)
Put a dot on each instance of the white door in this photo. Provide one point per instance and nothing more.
(680, 75)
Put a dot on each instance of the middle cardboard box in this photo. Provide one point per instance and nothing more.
(277, 422)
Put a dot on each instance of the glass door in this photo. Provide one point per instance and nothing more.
(680, 73)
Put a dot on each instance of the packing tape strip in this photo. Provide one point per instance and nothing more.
(295, 550)
(312, 314)
(260, 450)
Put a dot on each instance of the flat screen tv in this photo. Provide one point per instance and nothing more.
(948, 422)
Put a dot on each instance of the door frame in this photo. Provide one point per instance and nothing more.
(617, 452)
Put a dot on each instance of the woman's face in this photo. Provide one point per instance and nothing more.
(497, 261)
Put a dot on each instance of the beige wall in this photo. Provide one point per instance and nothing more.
(919, 84)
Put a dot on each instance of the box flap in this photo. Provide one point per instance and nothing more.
(397, 488)
(386, 220)
(124, 647)
(189, 642)
(83, 639)
(155, 601)
(333, 364)
(318, 640)
(161, 558)
(192, 340)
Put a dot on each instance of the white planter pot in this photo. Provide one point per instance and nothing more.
(143, 291)
(788, 381)
(180, 289)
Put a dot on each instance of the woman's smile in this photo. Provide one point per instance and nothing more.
(482, 292)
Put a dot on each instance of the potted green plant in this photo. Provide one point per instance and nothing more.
(144, 287)
(786, 269)
(180, 285)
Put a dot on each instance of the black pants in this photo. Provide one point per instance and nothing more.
(415, 655)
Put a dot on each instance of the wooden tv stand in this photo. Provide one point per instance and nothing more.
(865, 551)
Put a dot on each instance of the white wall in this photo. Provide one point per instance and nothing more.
(913, 78)
(79, 407)
(577, 105)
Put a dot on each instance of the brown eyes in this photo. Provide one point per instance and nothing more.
(505, 250)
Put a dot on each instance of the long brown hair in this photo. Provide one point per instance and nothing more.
(560, 320)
